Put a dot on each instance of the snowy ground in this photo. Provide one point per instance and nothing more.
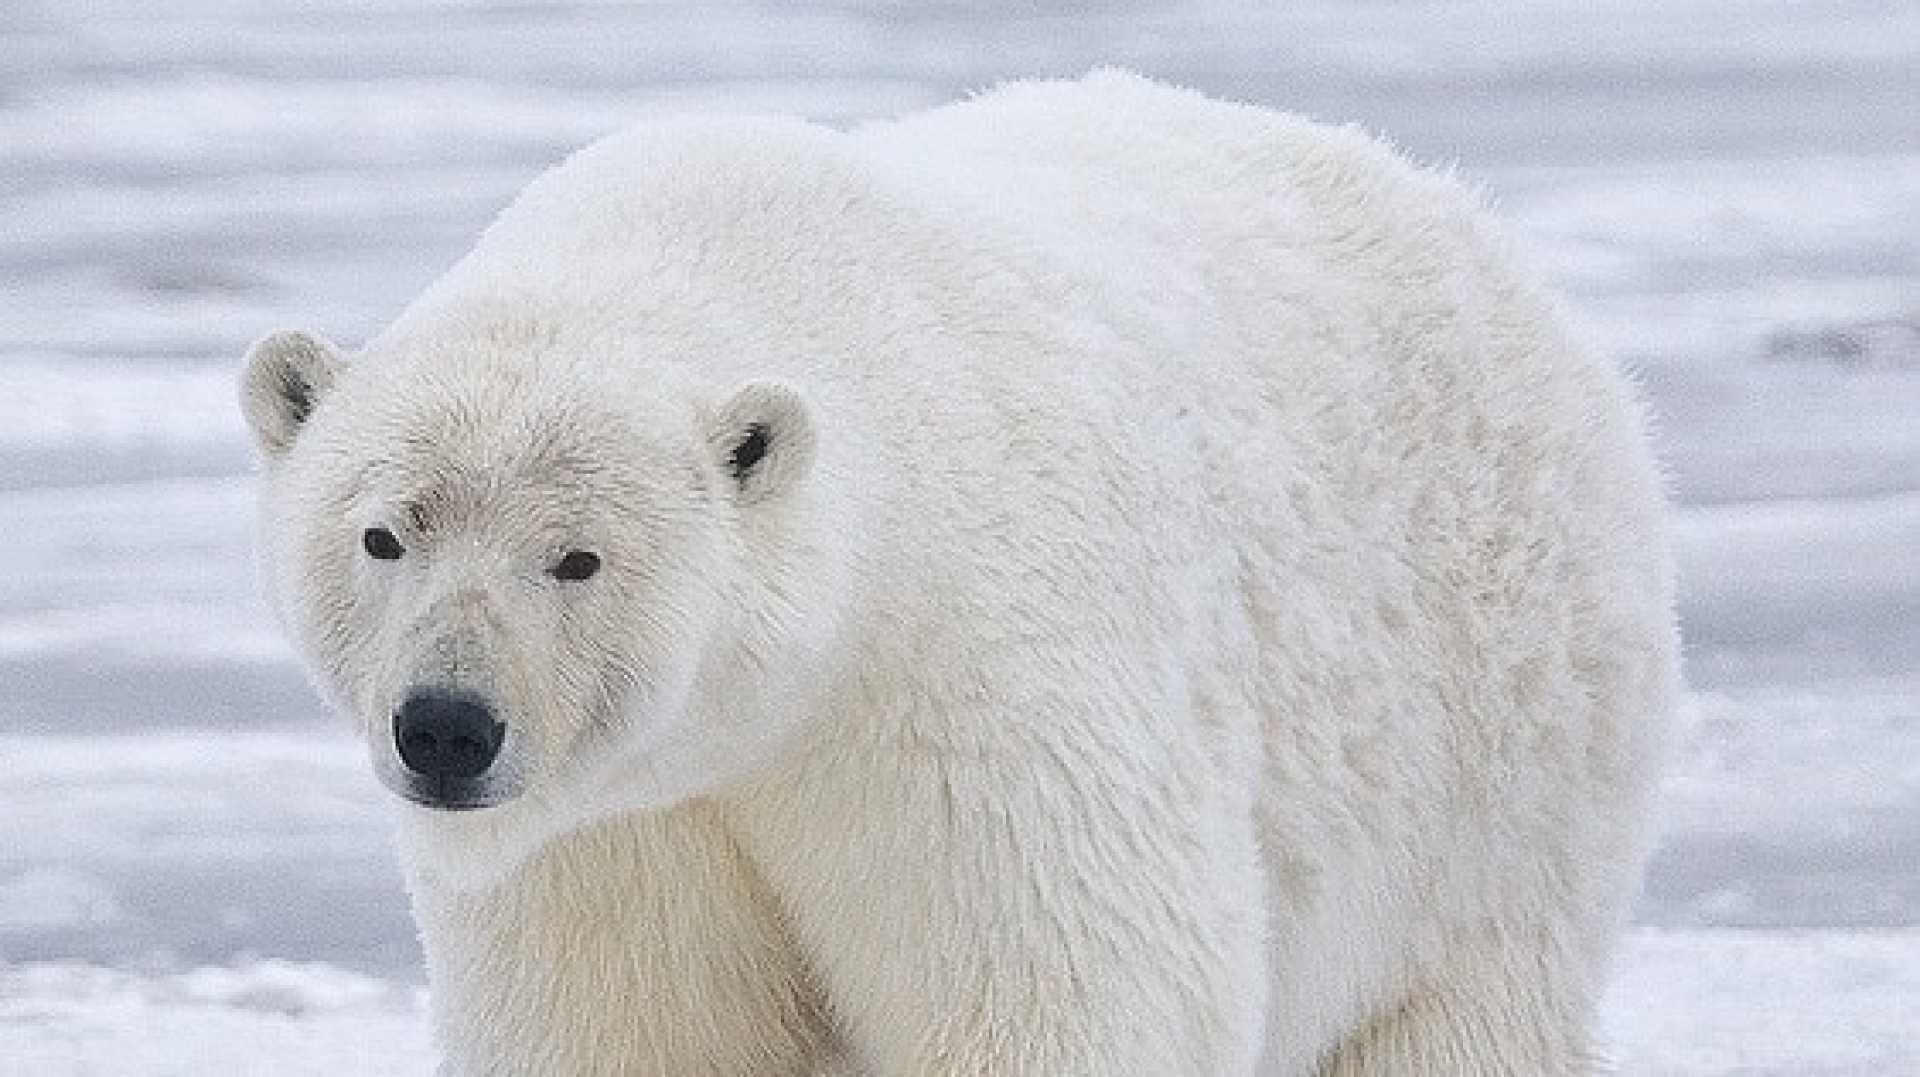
(193, 870)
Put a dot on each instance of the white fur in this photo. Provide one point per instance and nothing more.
(1201, 612)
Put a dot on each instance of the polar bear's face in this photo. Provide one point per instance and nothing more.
(531, 593)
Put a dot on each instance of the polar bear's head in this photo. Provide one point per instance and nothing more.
(541, 594)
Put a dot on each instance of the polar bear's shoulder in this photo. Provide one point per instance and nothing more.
(652, 174)
(662, 201)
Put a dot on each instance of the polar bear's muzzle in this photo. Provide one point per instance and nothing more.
(447, 743)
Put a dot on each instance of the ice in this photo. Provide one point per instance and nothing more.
(195, 875)
(162, 849)
(1792, 811)
(1802, 590)
(47, 900)
(93, 407)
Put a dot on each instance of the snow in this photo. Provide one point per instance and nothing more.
(1792, 1003)
(68, 1020)
(1686, 1004)
(195, 875)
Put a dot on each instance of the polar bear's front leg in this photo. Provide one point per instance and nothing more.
(639, 945)
(1030, 913)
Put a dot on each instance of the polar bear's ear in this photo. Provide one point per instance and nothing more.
(287, 374)
(763, 438)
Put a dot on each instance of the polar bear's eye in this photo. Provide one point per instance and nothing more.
(752, 447)
(576, 565)
(381, 544)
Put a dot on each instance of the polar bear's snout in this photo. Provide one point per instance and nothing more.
(447, 741)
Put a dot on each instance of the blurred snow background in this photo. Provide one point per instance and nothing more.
(194, 875)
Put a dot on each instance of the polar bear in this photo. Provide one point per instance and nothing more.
(1087, 580)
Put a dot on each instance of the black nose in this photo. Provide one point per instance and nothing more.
(441, 735)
